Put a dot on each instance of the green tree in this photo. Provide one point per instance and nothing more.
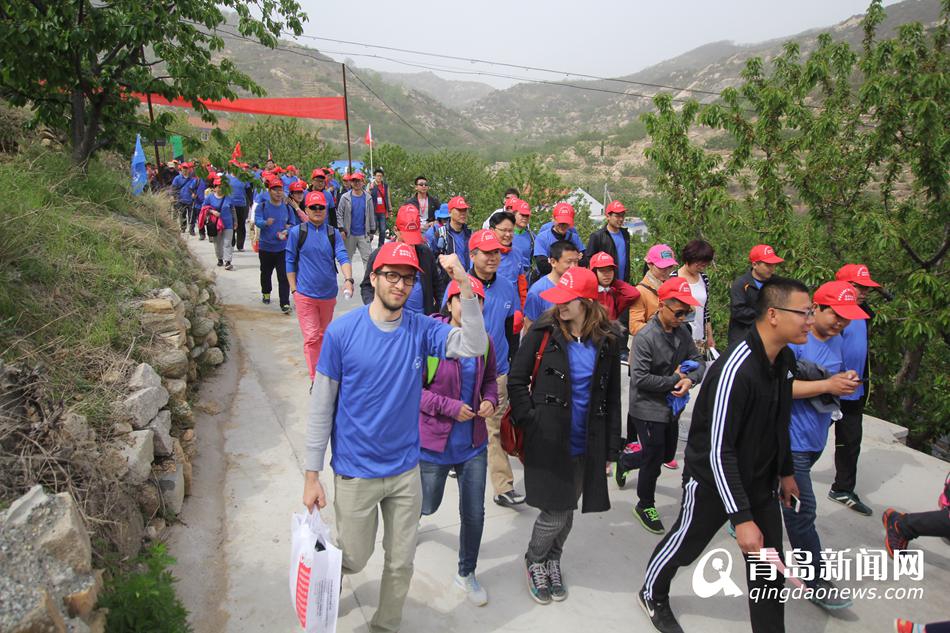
(75, 62)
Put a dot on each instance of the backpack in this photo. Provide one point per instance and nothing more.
(444, 245)
(511, 436)
(432, 365)
(302, 237)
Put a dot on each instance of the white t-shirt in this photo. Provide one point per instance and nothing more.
(699, 293)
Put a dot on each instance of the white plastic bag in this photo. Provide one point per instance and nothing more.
(315, 567)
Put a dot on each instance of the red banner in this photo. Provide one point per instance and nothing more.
(330, 108)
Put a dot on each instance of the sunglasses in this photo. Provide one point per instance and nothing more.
(317, 207)
(422, 184)
(679, 314)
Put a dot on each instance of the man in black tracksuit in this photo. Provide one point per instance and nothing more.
(738, 455)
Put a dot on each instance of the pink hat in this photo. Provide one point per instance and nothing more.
(661, 256)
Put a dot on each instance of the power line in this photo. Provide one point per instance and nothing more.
(399, 116)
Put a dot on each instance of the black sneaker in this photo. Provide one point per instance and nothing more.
(826, 596)
(850, 500)
(201, 237)
(228, 266)
(620, 474)
(555, 582)
(894, 541)
(509, 499)
(285, 309)
(265, 299)
(220, 262)
(659, 613)
(538, 582)
(649, 518)
(191, 232)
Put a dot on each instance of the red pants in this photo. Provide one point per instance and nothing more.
(314, 316)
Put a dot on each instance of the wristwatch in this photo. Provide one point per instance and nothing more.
(348, 279)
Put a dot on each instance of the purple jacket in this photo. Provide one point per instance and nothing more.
(440, 399)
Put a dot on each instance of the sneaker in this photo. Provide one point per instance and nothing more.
(285, 309)
(943, 502)
(659, 613)
(894, 541)
(220, 262)
(265, 299)
(240, 250)
(228, 266)
(473, 591)
(830, 599)
(620, 475)
(201, 237)
(509, 499)
(672, 464)
(850, 500)
(906, 626)
(452, 473)
(649, 518)
(538, 582)
(556, 583)
(191, 232)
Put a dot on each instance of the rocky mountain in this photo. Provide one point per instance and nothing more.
(453, 94)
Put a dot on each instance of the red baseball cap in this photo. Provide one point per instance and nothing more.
(358, 176)
(616, 207)
(841, 297)
(408, 224)
(510, 202)
(521, 206)
(298, 185)
(677, 288)
(577, 283)
(563, 214)
(216, 180)
(315, 197)
(857, 274)
(764, 253)
(317, 173)
(602, 260)
(485, 240)
(458, 202)
(396, 254)
(347, 177)
(273, 182)
(291, 169)
(454, 289)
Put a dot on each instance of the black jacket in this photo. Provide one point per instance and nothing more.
(739, 441)
(433, 286)
(600, 241)
(655, 356)
(434, 205)
(545, 415)
(742, 299)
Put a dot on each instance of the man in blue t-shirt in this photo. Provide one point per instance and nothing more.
(816, 387)
(356, 218)
(452, 236)
(273, 217)
(564, 256)
(365, 402)
(501, 302)
(241, 192)
(561, 228)
(848, 430)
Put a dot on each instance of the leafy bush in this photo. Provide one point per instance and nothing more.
(143, 598)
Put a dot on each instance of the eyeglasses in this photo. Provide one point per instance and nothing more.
(679, 314)
(504, 231)
(422, 184)
(808, 314)
(317, 207)
(392, 278)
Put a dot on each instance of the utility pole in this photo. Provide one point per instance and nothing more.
(346, 110)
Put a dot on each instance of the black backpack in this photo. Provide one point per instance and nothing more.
(302, 237)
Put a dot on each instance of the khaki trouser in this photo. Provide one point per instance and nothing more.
(502, 480)
(357, 504)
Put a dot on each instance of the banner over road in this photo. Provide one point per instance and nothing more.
(327, 108)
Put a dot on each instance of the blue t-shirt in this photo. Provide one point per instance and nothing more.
(239, 189)
(415, 301)
(511, 266)
(316, 270)
(376, 423)
(546, 237)
(621, 252)
(199, 200)
(459, 242)
(854, 352)
(358, 217)
(187, 189)
(522, 244)
(178, 182)
(461, 245)
(809, 427)
(288, 180)
(223, 206)
(582, 357)
(331, 203)
(283, 215)
(458, 447)
(534, 305)
(501, 301)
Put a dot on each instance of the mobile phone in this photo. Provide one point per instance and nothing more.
(796, 504)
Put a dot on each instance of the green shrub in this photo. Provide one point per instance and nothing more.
(143, 598)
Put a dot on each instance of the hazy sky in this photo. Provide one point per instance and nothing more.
(605, 38)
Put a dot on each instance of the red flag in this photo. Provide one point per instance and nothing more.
(236, 154)
(369, 135)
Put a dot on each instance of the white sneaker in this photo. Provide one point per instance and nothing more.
(473, 591)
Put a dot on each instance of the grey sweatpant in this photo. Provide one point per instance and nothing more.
(222, 244)
(552, 527)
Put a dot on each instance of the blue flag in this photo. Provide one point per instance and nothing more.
(139, 175)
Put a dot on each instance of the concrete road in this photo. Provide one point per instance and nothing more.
(233, 543)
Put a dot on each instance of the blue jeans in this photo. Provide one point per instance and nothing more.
(802, 533)
(471, 479)
(381, 227)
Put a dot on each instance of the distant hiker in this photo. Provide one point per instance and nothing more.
(697, 256)
(453, 236)
(745, 290)
(218, 220)
(562, 256)
(370, 414)
(185, 184)
(615, 295)
(356, 219)
(318, 182)
(458, 395)
(507, 204)
(380, 194)
(298, 189)
(313, 250)
(422, 200)
(241, 194)
(612, 239)
(273, 218)
(512, 265)
(523, 243)
(561, 228)
(429, 286)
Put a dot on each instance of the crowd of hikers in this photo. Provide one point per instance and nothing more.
(500, 341)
